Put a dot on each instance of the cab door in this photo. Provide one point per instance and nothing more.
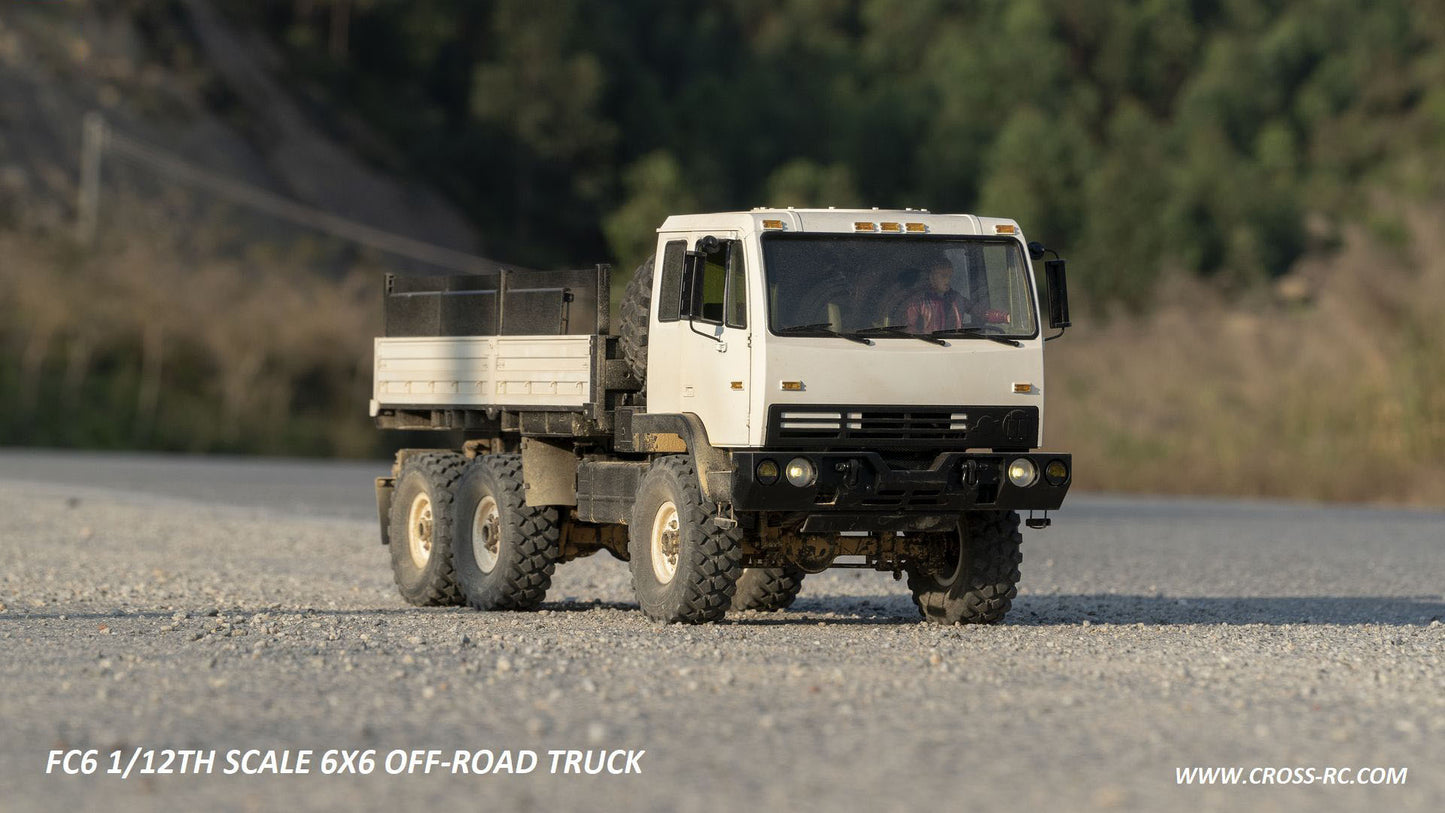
(714, 340)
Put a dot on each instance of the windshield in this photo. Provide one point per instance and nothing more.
(897, 286)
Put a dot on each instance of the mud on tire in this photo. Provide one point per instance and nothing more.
(981, 585)
(767, 589)
(684, 567)
(505, 551)
(420, 528)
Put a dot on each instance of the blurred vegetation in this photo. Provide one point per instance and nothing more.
(1145, 137)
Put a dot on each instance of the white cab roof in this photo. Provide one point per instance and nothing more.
(840, 221)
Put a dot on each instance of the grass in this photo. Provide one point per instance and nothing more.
(1334, 393)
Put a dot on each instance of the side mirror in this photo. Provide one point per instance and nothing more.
(691, 303)
(1036, 251)
(1058, 294)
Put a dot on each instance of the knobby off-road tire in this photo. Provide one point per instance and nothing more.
(420, 529)
(684, 567)
(505, 551)
(981, 585)
(767, 589)
(636, 305)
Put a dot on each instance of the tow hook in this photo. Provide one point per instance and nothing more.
(1038, 522)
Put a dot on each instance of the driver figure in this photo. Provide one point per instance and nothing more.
(935, 305)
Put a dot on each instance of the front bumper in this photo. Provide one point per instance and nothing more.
(860, 491)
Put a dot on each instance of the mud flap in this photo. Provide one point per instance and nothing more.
(384, 488)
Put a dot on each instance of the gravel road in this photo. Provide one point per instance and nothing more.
(175, 603)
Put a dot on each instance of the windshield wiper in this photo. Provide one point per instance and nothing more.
(975, 333)
(898, 330)
(825, 328)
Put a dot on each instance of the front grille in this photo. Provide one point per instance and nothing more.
(903, 427)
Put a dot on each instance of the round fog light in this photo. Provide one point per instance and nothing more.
(801, 472)
(767, 472)
(1056, 472)
(1023, 472)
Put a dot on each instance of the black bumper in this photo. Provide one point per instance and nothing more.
(860, 491)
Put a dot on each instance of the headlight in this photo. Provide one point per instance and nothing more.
(1023, 472)
(767, 472)
(801, 472)
(1056, 472)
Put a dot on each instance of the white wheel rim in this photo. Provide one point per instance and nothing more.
(419, 528)
(486, 534)
(665, 543)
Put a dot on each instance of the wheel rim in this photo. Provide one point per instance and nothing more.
(946, 578)
(665, 547)
(487, 534)
(419, 530)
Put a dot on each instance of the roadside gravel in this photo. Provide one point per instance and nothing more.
(181, 611)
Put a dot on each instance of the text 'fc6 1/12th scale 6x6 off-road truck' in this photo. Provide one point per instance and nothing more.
(785, 391)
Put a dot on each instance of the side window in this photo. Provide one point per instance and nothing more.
(669, 295)
(714, 284)
(736, 311)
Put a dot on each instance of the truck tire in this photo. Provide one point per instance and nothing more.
(636, 306)
(504, 550)
(684, 567)
(421, 529)
(767, 589)
(981, 585)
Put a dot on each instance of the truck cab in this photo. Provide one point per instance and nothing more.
(896, 357)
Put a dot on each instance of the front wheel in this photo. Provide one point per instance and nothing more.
(981, 578)
(684, 567)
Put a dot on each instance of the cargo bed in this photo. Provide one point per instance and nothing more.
(470, 351)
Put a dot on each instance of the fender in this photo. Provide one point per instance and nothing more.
(684, 432)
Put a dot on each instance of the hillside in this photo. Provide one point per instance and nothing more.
(181, 78)
(1247, 193)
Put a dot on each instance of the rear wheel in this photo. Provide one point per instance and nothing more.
(684, 567)
(421, 528)
(981, 579)
(505, 550)
(767, 589)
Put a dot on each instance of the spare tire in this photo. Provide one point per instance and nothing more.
(636, 305)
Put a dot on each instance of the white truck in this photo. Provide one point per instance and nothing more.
(788, 390)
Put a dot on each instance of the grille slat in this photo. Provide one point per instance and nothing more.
(945, 427)
(875, 424)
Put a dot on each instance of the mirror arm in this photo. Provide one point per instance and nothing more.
(691, 325)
